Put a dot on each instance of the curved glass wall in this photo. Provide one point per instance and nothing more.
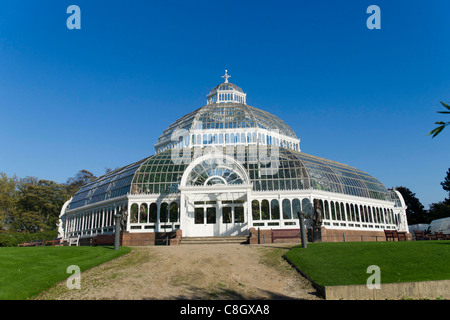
(286, 170)
(289, 170)
(112, 185)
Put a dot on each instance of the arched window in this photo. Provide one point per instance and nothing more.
(134, 213)
(174, 212)
(164, 212)
(327, 210)
(296, 207)
(275, 209)
(287, 214)
(265, 211)
(347, 208)
(333, 211)
(307, 208)
(143, 213)
(256, 213)
(153, 212)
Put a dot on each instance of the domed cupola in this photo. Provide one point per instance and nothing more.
(226, 93)
(227, 120)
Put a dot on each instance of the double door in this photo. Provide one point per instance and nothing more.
(216, 220)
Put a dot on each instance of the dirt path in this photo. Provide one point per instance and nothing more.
(224, 271)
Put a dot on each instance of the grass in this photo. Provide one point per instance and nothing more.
(26, 272)
(331, 264)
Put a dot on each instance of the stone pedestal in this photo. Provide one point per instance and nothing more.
(317, 234)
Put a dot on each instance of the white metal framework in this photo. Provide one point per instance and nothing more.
(209, 177)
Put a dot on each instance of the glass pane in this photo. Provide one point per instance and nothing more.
(238, 214)
(173, 212)
(164, 213)
(265, 215)
(287, 209)
(153, 212)
(199, 213)
(255, 210)
(226, 214)
(211, 215)
(275, 209)
(296, 208)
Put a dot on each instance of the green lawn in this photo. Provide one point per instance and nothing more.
(330, 264)
(25, 272)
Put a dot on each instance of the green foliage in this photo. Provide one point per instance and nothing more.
(8, 198)
(446, 186)
(438, 210)
(30, 204)
(415, 212)
(38, 205)
(441, 124)
(74, 184)
(12, 239)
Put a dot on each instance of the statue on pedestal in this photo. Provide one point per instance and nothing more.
(317, 218)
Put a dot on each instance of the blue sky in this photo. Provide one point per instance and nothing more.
(101, 96)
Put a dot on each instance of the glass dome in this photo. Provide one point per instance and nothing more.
(219, 117)
(226, 119)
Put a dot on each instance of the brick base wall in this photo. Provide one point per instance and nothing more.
(328, 235)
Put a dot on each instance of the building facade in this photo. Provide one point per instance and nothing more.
(227, 169)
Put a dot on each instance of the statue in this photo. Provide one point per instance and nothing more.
(317, 219)
(123, 220)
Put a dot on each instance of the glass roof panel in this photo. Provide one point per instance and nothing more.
(158, 174)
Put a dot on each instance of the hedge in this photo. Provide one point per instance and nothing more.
(12, 239)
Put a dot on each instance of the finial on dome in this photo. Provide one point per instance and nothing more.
(226, 76)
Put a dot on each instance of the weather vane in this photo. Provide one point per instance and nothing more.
(226, 76)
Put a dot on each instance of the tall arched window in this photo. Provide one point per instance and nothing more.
(143, 216)
(164, 212)
(265, 211)
(333, 211)
(275, 209)
(327, 210)
(287, 214)
(134, 213)
(256, 213)
(343, 217)
(174, 212)
(153, 212)
(296, 207)
(307, 208)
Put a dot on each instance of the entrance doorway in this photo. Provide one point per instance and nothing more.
(219, 218)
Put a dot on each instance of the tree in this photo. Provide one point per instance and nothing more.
(441, 124)
(8, 197)
(439, 210)
(81, 178)
(38, 204)
(446, 186)
(415, 212)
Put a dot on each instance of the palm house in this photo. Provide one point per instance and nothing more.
(230, 169)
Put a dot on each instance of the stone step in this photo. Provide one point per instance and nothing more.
(214, 240)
